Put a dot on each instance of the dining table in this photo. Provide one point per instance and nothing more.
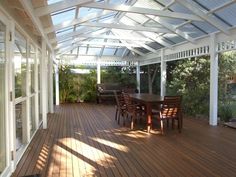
(149, 100)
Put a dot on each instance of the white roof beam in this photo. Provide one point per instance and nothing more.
(196, 9)
(114, 7)
(75, 21)
(127, 45)
(126, 27)
(172, 28)
(124, 53)
(45, 10)
(156, 38)
(145, 11)
(130, 38)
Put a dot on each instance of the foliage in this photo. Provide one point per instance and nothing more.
(190, 78)
(225, 111)
(118, 74)
(68, 85)
(87, 85)
(144, 78)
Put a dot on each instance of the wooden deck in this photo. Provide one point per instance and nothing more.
(85, 140)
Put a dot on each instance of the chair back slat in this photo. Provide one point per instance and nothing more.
(128, 102)
(171, 107)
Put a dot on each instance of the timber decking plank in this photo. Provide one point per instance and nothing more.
(84, 140)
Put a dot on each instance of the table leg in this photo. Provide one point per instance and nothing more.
(149, 117)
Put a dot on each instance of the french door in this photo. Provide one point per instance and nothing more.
(3, 99)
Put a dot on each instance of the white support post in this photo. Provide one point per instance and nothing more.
(163, 74)
(36, 78)
(43, 75)
(213, 82)
(57, 85)
(50, 85)
(98, 72)
(138, 76)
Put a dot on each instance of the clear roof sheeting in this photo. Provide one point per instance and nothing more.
(127, 28)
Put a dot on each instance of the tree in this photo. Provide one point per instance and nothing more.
(190, 78)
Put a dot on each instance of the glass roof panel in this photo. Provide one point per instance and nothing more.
(64, 31)
(211, 4)
(85, 11)
(82, 50)
(94, 51)
(68, 14)
(137, 17)
(228, 14)
(147, 4)
(109, 51)
(174, 38)
(191, 30)
(127, 21)
(53, 1)
(120, 51)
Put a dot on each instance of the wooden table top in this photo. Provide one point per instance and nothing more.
(146, 97)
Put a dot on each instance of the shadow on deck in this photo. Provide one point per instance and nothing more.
(84, 140)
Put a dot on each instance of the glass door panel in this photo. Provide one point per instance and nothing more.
(2, 97)
(20, 65)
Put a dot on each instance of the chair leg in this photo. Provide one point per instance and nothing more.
(173, 123)
(167, 123)
(116, 114)
(132, 123)
(118, 117)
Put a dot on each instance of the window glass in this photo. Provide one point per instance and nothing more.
(20, 65)
(20, 114)
(31, 68)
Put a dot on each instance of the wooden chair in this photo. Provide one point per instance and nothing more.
(171, 110)
(120, 106)
(132, 110)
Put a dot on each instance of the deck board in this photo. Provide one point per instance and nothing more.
(84, 140)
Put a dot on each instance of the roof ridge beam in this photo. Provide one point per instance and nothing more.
(114, 7)
(195, 8)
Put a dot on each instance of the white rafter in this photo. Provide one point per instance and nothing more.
(125, 27)
(114, 7)
(76, 21)
(196, 9)
(171, 28)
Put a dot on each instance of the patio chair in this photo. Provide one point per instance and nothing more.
(171, 110)
(132, 110)
(120, 106)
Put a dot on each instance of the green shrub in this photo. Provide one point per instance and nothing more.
(225, 112)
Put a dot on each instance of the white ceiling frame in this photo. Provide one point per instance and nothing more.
(126, 27)
(96, 36)
(156, 38)
(196, 9)
(66, 48)
(114, 7)
(150, 36)
(172, 28)
(75, 21)
(75, 33)
(144, 11)
(30, 11)
(127, 45)
(48, 9)
(139, 43)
